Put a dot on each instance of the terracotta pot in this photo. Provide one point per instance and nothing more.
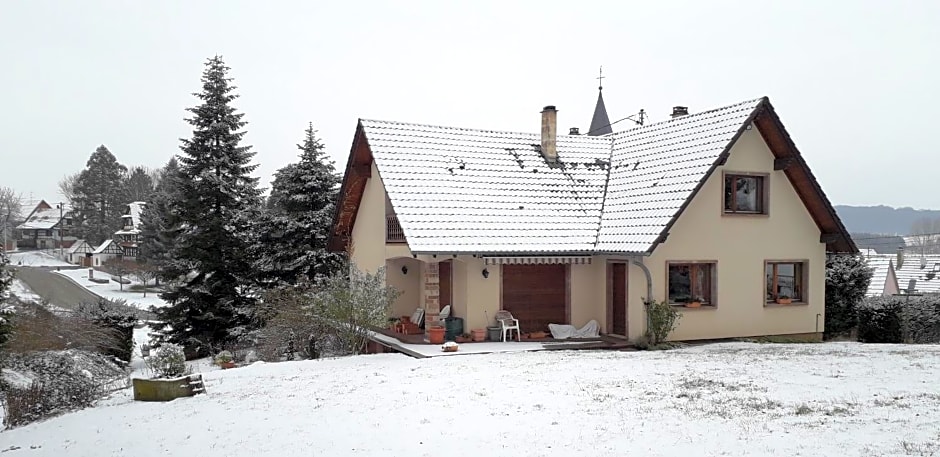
(693, 304)
(479, 334)
(784, 301)
(436, 335)
(227, 365)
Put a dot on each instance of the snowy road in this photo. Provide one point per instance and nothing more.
(55, 289)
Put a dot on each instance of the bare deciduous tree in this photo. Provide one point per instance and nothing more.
(926, 235)
(67, 186)
(11, 205)
(143, 272)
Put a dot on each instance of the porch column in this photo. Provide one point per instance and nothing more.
(432, 296)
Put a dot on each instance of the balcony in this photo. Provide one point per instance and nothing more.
(393, 232)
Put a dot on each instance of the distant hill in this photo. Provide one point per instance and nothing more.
(882, 219)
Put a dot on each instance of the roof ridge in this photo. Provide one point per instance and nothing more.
(688, 116)
(598, 139)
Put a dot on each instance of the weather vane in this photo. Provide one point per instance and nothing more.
(600, 78)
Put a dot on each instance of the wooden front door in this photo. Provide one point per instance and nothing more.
(617, 294)
(444, 273)
(537, 295)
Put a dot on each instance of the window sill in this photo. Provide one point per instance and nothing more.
(778, 305)
(734, 214)
(699, 308)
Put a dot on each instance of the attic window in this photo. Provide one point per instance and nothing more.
(745, 194)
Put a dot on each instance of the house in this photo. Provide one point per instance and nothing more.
(573, 228)
(884, 279)
(108, 250)
(128, 238)
(81, 253)
(46, 227)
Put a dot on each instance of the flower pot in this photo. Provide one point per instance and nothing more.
(693, 304)
(449, 347)
(478, 334)
(227, 365)
(784, 301)
(436, 335)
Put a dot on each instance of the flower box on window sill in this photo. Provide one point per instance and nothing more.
(693, 304)
(784, 301)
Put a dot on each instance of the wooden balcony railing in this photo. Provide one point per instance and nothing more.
(393, 232)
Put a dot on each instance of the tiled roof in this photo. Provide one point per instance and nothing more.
(42, 219)
(480, 191)
(462, 190)
(880, 263)
(925, 269)
(80, 247)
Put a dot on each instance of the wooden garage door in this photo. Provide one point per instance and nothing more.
(536, 295)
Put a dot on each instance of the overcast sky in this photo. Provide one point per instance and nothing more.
(854, 82)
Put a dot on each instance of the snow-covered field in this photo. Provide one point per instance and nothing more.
(721, 399)
(36, 259)
(112, 290)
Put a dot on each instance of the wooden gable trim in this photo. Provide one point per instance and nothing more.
(358, 172)
(835, 235)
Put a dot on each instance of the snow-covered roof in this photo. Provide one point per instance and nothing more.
(458, 190)
(108, 247)
(80, 247)
(132, 217)
(42, 219)
(925, 269)
(880, 263)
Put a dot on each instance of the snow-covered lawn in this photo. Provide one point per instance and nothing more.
(36, 259)
(112, 290)
(721, 399)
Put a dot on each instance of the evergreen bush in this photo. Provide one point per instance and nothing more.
(663, 319)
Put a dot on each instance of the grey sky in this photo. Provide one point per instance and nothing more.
(854, 82)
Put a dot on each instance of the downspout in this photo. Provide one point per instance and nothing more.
(638, 261)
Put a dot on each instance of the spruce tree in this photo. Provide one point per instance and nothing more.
(159, 224)
(212, 299)
(295, 228)
(139, 185)
(99, 197)
(6, 276)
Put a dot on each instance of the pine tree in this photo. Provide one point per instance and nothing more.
(139, 185)
(212, 299)
(6, 276)
(99, 197)
(295, 228)
(159, 225)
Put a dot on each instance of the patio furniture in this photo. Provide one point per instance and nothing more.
(507, 324)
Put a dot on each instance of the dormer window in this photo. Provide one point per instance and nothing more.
(745, 193)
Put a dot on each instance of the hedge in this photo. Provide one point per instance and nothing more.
(899, 319)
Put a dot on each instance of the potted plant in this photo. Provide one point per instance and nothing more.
(693, 302)
(225, 360)
(479, 334)
(784, 300)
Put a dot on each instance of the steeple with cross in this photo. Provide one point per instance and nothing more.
(600, 123)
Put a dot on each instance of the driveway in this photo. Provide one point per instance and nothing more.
(55, 289)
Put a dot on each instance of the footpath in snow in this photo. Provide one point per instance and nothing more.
(112, 290)
(730, 399)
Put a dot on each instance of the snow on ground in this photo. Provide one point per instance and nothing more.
(36, 259)
(722, 399)
(23, 292)
(112, 290)
(435, 350)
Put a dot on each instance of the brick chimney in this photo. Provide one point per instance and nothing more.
(679, 111)
(900, 257)
(549, 130)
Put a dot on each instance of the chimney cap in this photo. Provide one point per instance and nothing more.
(549, 108)
(680, 110)
(574, 131)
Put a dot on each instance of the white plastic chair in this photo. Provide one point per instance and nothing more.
(507, 323)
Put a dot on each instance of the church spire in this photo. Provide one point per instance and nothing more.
(600, 123)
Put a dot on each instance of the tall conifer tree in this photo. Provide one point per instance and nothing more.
(213, 298)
